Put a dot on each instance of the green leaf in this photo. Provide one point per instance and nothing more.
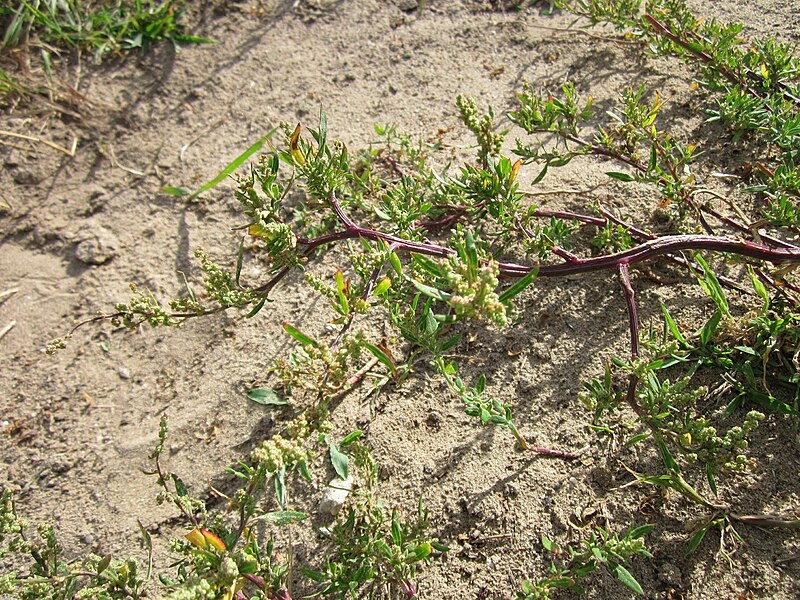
(450, 343)
(481, 384)
(518, 286)
(103, 564)
(180, 487)
(266, 397)
(640, 531)
(298, 335)
(431, 292)
(323, 129)
(394, 260)
(148, 543)
(352, 437)
(231, 167)
(620, 176)
(256, 309)
(697, 538)
(636, 439)
(712, 287)
(549, 545)
(673, 328)
(625, 577)
(248, 567)
(381, 214)
(340, 461)
(239, 261)
(759, 287)
(669, 461)
(302, 468)
(280, 486)
(422, 551)
(382, 357)
(193, 39)
(747, 350)
(707, 332)
(313, 575)
(282, 517)
(712, 483)
(175, 191)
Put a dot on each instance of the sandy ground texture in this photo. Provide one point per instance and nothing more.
(76, 428)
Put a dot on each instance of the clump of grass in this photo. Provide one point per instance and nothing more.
(46, 30)
(99, 27)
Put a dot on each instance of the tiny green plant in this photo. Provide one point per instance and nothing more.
(376, 552)
(573, 563)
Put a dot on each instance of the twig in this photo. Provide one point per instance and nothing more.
(6, 329)
(633, 323)
(38, 140)
(117, 164)
(5, 295)
(188, 144)
(571, 30)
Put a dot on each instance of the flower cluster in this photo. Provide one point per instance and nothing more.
(473, 291)
(219, 284)
(142, 308)
(278, 453)
(728, 451)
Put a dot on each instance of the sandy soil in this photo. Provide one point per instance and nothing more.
(76, 429)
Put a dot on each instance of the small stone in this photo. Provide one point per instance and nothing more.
(123, 373)
(336, 495)
(510, 490)
(96, 245)
(407, 5)
(434, 420)
(669, 574)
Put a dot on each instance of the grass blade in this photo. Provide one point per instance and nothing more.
(230, 168)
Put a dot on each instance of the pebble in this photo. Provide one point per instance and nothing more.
(669, 574)
(96, 245)
(434, 419)
(123, 373)
(336, 495)
(407, 5)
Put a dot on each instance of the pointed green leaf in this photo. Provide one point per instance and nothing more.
(518, 286)
(697, 538)
(620, 176)
(625, 577)
(282, 517)
(180, 487)
(266, 397)
(340, 461)
(175, 191)
(431, 292)
(233, 165)
(382, 357)
(352, 437)
(298, 335)
(256, 308)
(673, 328)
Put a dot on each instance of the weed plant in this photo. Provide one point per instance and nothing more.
(430, 250)
(54, 27)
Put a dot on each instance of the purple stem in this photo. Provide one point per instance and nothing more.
(633, 321)
(645, 251)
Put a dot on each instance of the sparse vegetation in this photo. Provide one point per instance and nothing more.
(434, 251)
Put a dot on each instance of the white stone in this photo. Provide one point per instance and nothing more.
(336, 495)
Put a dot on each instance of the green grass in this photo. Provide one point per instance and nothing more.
(101, 28)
